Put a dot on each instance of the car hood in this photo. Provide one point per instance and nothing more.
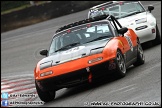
(73, 53)
(131, 21)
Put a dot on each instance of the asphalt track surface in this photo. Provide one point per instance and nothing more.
(20, 53)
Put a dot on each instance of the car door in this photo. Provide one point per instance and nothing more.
(127, 41)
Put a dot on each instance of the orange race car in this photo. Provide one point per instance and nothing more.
(85, 50)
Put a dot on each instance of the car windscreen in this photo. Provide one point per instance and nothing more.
(79, 35)
(119, 9)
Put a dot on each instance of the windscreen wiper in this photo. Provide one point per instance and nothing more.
(99, 38)
(68, 46)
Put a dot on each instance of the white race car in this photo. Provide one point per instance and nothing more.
(131, 14)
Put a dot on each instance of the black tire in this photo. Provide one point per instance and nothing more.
(157, 40)
(45, 96)
(140, 55)
(120, 65)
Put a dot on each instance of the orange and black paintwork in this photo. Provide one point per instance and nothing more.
(74, 72)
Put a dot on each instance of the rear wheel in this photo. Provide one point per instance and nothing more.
(157, 40)
(45, 96)
(120, 65)
(140, 55)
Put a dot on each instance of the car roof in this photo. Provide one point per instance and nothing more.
(108, 3)
(103, 4)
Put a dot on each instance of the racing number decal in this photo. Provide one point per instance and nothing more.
(129, 42)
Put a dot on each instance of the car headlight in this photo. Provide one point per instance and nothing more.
(95, 60)
(45, 65)
(46, 73)
(142, 20)
(96, 50)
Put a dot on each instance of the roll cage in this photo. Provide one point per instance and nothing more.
(97, 18)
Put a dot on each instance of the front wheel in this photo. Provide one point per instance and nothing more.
(45, 96)
(140, 55)
(157, 40)
(120, 65)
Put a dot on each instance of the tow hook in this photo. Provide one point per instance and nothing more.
(90, 75)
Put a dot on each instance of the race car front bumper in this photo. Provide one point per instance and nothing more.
(74, 78)
(146, 34)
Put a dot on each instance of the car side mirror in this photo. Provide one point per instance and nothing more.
(44, 52)
(150, 8)
(123, 30)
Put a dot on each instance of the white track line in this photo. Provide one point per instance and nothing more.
(19, 76)
(6, 90)
(4, 86)
(122, 88)
(16, 81)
